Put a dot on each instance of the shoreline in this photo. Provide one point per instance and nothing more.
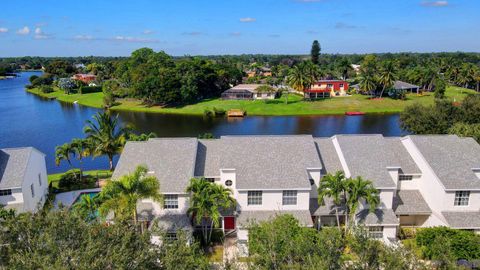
(296, 107)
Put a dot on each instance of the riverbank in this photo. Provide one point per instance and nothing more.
(296, 105)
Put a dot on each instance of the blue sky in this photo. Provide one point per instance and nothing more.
(200, 27)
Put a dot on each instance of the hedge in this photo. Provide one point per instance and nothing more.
(90, 89)
(463, 244)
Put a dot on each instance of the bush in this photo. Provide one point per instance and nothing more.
(46, 89)
(208, 113)
(66, 84)
(69, 179)
(219, 112)
(90, 89)
(408, 233)
(464, 244)
(43, 80)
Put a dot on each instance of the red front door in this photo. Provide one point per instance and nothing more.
(229, 223)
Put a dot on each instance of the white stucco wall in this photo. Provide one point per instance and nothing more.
(15, 198)
(411, 184)
(35, 167)
(473, 204)
(386, 198)
(315, 175)
(389, 232)
(183, 204)
(272, 201)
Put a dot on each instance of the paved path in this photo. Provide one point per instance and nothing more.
(68, 198)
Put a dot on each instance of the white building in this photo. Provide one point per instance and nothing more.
(423, 180)
(23, 179)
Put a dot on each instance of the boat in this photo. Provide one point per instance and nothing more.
(354, 113)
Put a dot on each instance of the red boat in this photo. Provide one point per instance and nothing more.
(354, 113)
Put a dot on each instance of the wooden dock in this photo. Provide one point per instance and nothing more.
(236, 113)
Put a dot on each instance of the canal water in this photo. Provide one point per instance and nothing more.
(29, 120)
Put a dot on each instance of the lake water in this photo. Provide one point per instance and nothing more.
(28, 120)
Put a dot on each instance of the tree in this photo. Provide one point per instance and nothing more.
(302, 76)
(434, 119)
(368, 83)
(440, 88)
(106, 136)
(142, 137)
(207, 199)
(358, 189)
(387, 76)
(332, 186)
(315, 52)
(87, 207)
(67, 85)
(109, 88)
(81, 149)
(466, 130)
(64, 152)
(344, 67)
(122, 195)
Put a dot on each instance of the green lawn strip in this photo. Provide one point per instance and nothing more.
(55, 178)
(296, 105)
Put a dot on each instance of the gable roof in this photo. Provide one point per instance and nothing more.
(404, 85)
(402, 156)
(209, 153)
(328, 155)
(410, 202)
(451, 158)
(13, 164)
(270, 162)
(462, 219)
(171, 159)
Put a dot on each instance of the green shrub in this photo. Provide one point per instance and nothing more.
(69, 179)
(46, 89)
(464, 244)
(90, 89)
(208, 113)
(407, 233)
(219, 112)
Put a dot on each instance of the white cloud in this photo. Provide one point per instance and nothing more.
(39, 34)
(434, 3)
(23, 31)
(134, 39)
(38, 31)
(83, 37)
(3, 30)
(148, 32)
(248, 20)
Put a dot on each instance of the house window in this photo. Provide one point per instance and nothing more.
(289, 197)
(211, 180)
(461, 198)
(254, 198)
(341, 85)
(375, 232)
(171, 201)
(171, 236)
(329, 85)
(31, 189)
(40, 179)
(404, 177)
(5, 192)
(228, 183)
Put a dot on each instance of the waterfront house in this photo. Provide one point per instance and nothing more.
(23, 179)
(423, 181)
(326, 88)
(86, 78)
(248, 91)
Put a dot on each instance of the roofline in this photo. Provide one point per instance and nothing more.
(272, 189)
(411, 213)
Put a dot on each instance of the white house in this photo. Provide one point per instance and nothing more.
(23, 179)
(423, 180)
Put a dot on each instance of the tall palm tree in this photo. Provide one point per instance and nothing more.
(303, 75)
(332, 186)
(81, 149)
(121, 196)
(358, 189)
(368, 83)
(387, 75)
(207, 199)
(87, 207)
(106, 136)
(344, 67)
(64, 152)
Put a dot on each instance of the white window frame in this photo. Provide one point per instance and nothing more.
(289, 197)
(375, 232)
(462, 198)
(405, 177)
(170, 201)
(254, 197)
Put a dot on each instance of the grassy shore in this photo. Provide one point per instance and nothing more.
(296, 105)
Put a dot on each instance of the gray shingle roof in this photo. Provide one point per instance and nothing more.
(270, 162)
(209, 153)
(451, 158)
(326, 209)
(463, 219)
(328, 155)
(402, 156)
(172, 160)
(13, 164)
(246, 218)
(408, 202)
(369, 156)
(379, 217)
(173, 221)
(404, 85)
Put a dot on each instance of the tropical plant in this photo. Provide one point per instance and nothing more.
(358, 189)
(333, 186)
(64, 152)
(387, 75)
(106, 136)
(344, 68)
(303, 75)
(122, 195)
(368, 82)
(142, 137)
(87, 207)
(207, 199)
(81, 149)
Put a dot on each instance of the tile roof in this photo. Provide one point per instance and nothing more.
(451, 158)
(245, 218)
(410, 202)
(462, 219)
(171, 159)
(378, 217)
(13, 164)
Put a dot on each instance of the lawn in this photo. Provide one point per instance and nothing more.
(90, 177)
(295, 106)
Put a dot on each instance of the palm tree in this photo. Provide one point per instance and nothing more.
(302, 76)
(121, 196)
(344, 67)
(64, 152)
(332, 186)
(207, 199)
(358, 189)
(81, 149)
(87, 207)
(106, 136)
(368, 83)
(387, 75)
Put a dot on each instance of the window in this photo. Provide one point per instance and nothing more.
(5, 192)
(289, 197)
(171, 236)
(228, 183)
(40, 179)
(31, 189)
(171, 201)
(375, 232)
(341, 85)
(329, 85)
(461, 198)
(312, 182)
(211, 180)
(404, 177)
(254, 198)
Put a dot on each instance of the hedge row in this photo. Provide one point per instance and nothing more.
(90, 89)
(462, 244)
